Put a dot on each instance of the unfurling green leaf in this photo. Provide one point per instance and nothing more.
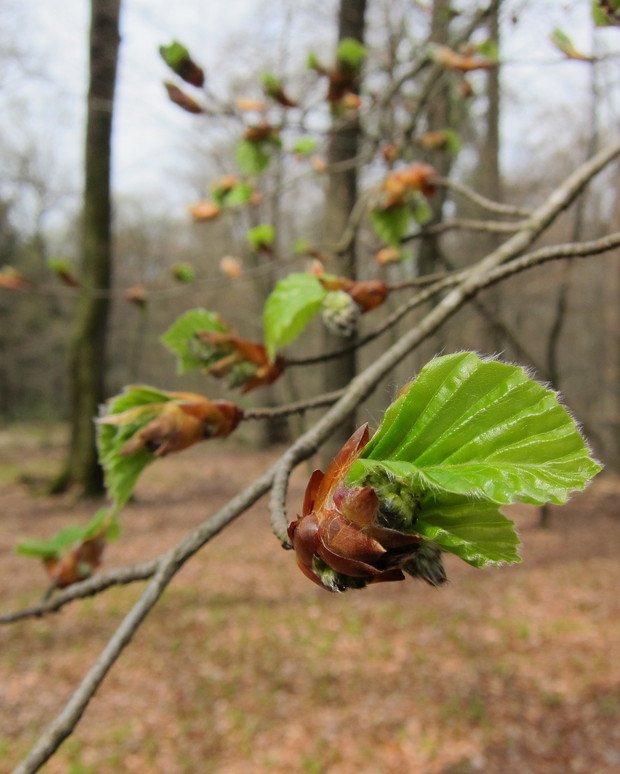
(239, 194)
(290, 307)
(305, 146)
(261, 236)
(391, 224)
(174, 53)
(561, 41)
(606, 13)
(103, 524)
(179, 60)
(181, 340)
(183, 272)
(251, 157)
(351, 53)
(467, 436)
(122, 471)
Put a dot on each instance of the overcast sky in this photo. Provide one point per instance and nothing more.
(49, 100)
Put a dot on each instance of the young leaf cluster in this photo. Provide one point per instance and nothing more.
(468, 436)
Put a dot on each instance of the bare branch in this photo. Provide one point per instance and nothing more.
(482, 201)
(118, 576)
(299, 407)
(466, 224)
(545, 254)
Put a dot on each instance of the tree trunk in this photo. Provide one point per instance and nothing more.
(438, 116)
(342, 193)
(88, 347)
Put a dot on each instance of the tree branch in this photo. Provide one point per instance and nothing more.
(482, 201)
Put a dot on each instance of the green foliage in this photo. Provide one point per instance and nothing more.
(488, 49)
(467, 436)
(421, 210)
(174, 54)
(351, 53)
(180, 338)
(312, 62)
(122, 471)
(60, 265)
(252, 157)
(606, 14)
(305, 146)
(289, 308)
(239, 194)
(184, 272)
(261, 236)
(56, 546)
(451, 141)
(562, 42)
(391, 224)
(270, 82)
(301, 246)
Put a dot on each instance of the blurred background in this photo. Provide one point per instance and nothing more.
(245, 667)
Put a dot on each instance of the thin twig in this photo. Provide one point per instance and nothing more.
(466, 224)
(118, 576)
(482, 201)
(299, 407)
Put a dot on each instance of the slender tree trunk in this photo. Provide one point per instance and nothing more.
(342, 194)
(490, 176)
(88, 347)
(438, 116)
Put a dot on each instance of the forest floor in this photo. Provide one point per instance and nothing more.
(245, 667)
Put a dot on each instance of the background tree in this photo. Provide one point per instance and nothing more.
(89, 338)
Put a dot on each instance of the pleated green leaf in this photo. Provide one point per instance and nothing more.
(122, 471)
(469, 435)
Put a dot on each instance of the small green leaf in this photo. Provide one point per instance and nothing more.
(104, 520)
(301, 246)
(451, 141)
(179, 60)
(252, 157)
(351, 53)
(270, 81)
(239, 194)
(606, 14)
(312, 62)
(54, 547)
(488, 49)
(391, 225)
(422, 212)
(290, 307)
(261, 236)
(180, 338)
(122, 471)
(60, 265)
(305, 146)
(562, 42)
(174, 54)
(183, 272)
